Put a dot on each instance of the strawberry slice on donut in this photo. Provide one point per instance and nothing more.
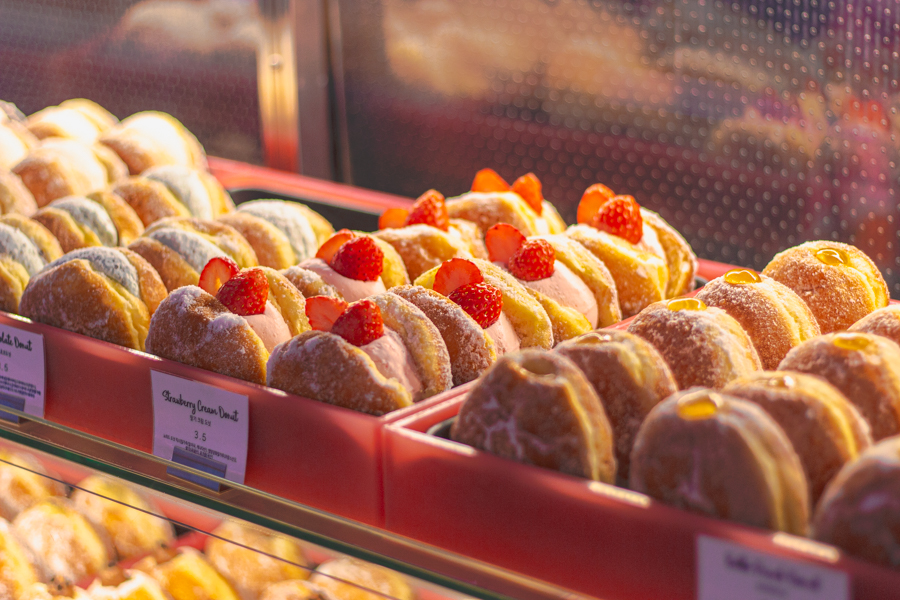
(323, 311)
(246, 293)
(360, 324)
(455, 273)
(217, 271)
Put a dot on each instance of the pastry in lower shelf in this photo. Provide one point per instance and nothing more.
(504, 308)
(538, 408)
(884, 322)
(864, 367)
(180, 247)
(68, 545)
(282, 233)
(26, 247)
(702, 345)
(827, 431)
(127, 516)
(24, 482)
(14, 196)
(838, 281)
(295, 589)
(57, 589)
(351, 579)
(18, 567)
(78, 119)
(150, 139)
(185, 574)
(630, 377)
(252, 559)
(717, 455)
(775, 318)
(116, 583)
(105, 293)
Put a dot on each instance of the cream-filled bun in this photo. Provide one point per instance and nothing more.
(148, 139)
(352, 579)
(15, 143)
(78, 222)
(14, 196)
(489, 208)
(186, 574)
(18, 566)
(57, 589)
(26, 247)
(105, 293)
(23, 483)
(78, 119)
(116, 583)
(196, 189)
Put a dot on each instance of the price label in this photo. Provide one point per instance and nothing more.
(22, 371)
(200, 426)
(729, 571)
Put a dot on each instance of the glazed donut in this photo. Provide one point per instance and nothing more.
(186, 574)
(15, 143)
(18, 569)
(826, 430)
(309, 283)
(23, 483)
(351, 579)
(115, 583)
(630, 378)
(538, 408)
(78, 119)
(14, 196)
(884, 322)
(149, 139)
(702, 345)
(775, 318)
(721, 456)
(838, 281)
(864, 367)
(26, 247)
(105, 293)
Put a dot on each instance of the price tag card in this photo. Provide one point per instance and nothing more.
(22, 372)
(729, 571)
(200, 426)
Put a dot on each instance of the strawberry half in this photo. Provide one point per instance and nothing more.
(455, 273)
(621, 216)
(528, 186)
(323, 311)
(482, 301)
(393, 218)
(327, 250)
(593, 198)
(430, 209)
(217, 271)
(487, 180)
(533, 261)
(502, 241)
(246, 293)
(359, 258)
(360, 324)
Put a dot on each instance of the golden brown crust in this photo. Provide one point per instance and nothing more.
(394, 272)
(37, 233)
(126, 220)
(680, 259)
(422, 247)
(309, 283)
(352, 579)
(62, 168)
(174, 271)
(884, 322)
(270, 244)
(115, 168)
(224, 236)
(219, 199)
(320, 225)
(288, 300)
(15, 143)
(13, 279)
(140, 152)
(14, 196)
(151, 200)
(153, 291)
(64, 227)
(472, 235)
(537, 407)
(487, 209)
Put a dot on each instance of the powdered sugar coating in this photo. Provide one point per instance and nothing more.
(194, 248)
(17, 246)
(186, 185)
(108, 261)
(292, 222)
(91, 215)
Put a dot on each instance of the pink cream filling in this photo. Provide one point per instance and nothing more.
(392, 359)
(503, 335)
(351, 289)
(567, 289)
(269, 326)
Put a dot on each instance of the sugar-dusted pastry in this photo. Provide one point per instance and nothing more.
(352, 579)
(116, 583)
(174, 191)
(128, 224)
(702, 345)
(14, 196)
(180, 247)
(492, 200)
(127, 515)
(838, 281)
(714, 454)
(18, 567)
(149, 139)
(309, 282)
(78, 222)
(24, 482)
(68, 545)
(295, 589)
(630, 377)
(185, 574)
(78, 119)
(105, 293)
(775, 318)
(865, 367)
(504, 308)
(57, 589)
(884, 322)
(827, 431)
(15, 143)
(26, 247)
(538, 408)
(282, 233)
(860, 509)
(252, 559)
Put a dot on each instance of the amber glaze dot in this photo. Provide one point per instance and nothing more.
(832, 257)
(686, 304)
(742, 276)
(852, 341)
(696, 408)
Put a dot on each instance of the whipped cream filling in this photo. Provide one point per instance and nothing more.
(186, 185)
(292, 222)
(392, 359)
(21, 249)
(503, 335)
(92, 215)
(567, 289)
(194, 248)
(350, 289)
(108, 261)
(269, 326)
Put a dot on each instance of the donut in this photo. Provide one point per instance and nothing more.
(630, 378)
(702, 345)
(681, 261)
(838, 281)
(15, 143)
(423, 247)
(826, 430)
(864, 367)
(775, 318)
(125, 514)
(57, 589)
(78, 222)
(295, 589)
(105, 293)
(18, 570)
(23, 483)
(78, 119)
(717, 455)
(309, 283)
(538, 408)
(196, 189)
(26, 247)
(128, 225)
(14, 196)
(186, 574)
(116, 583)
(149, 139)
(884, 322)
(151, 200)
(352, 579)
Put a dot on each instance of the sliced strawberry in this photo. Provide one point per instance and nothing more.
(216, 272)
(482, 301)
(359, 258)
(533, 261)
(621, 216)
(593, 198)
(330, 247)
(246, 293)
(323, 311)
(487, 180)
(454, 273)
(502, 241)
(393, 218)
(430, 209)
(360, 324)
(529, 187)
